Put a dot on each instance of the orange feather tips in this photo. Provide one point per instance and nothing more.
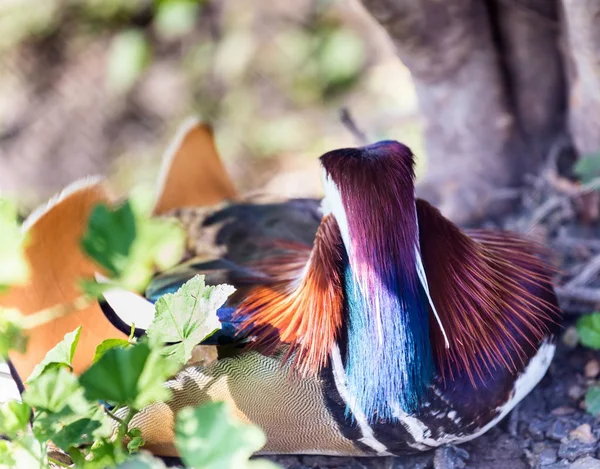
(305, 301)
(493, 293)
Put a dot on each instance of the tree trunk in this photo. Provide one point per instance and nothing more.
(493, 90)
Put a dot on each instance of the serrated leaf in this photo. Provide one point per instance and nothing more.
(60, 355)
(72, 427)
(14, 417)
(188, 316)
(133, 376)
(588, 328)
(53, 390)
(109, 237)
(209, 437)
(592, 400)
(108, 344)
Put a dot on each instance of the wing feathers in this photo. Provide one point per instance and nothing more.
(492, 291)
(304, 303)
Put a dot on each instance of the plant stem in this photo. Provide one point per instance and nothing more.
(123, 427)
(114, 417)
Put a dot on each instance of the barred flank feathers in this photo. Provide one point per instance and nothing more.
(304, 303)
(492, 291)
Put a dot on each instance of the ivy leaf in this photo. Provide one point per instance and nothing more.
(13, 266)
(53, 390)
(108, 344)
(188, 316)
(61, 355)
(109, 236)
(209, 437)
(14, 417)
(588, 328)
(132, 376)
(592, 400)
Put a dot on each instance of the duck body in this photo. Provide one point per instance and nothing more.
(315, 414)
(362, 324)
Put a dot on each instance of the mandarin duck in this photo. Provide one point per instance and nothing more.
(363, 324)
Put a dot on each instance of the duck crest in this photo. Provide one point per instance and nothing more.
(388, 359)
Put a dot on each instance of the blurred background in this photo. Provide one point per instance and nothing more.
(101, 87)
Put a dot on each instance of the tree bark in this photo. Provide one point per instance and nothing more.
(582, 29)
(469, 128)
(494, 89)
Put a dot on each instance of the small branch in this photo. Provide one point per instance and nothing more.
(587, 294)
(587, 274)
(349, 123)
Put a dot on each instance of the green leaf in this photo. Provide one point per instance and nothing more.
(14, 269)
(128, 57)
(588, 167)
(14, 417)
(79, 432)
(29, 453)
(60, 355)
(108, 344)
(135, 444)
(131, 245)
(53, 390)
(588, 328)
(11, 333)
(7, 454)
(79, 424)
(188, 316)
(592, 400)
(175, 18)
(103, 454)
(132, 376)
(209, 437)
(142, 461)
(109, 237)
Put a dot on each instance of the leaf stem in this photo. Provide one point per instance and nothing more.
(119, 420)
